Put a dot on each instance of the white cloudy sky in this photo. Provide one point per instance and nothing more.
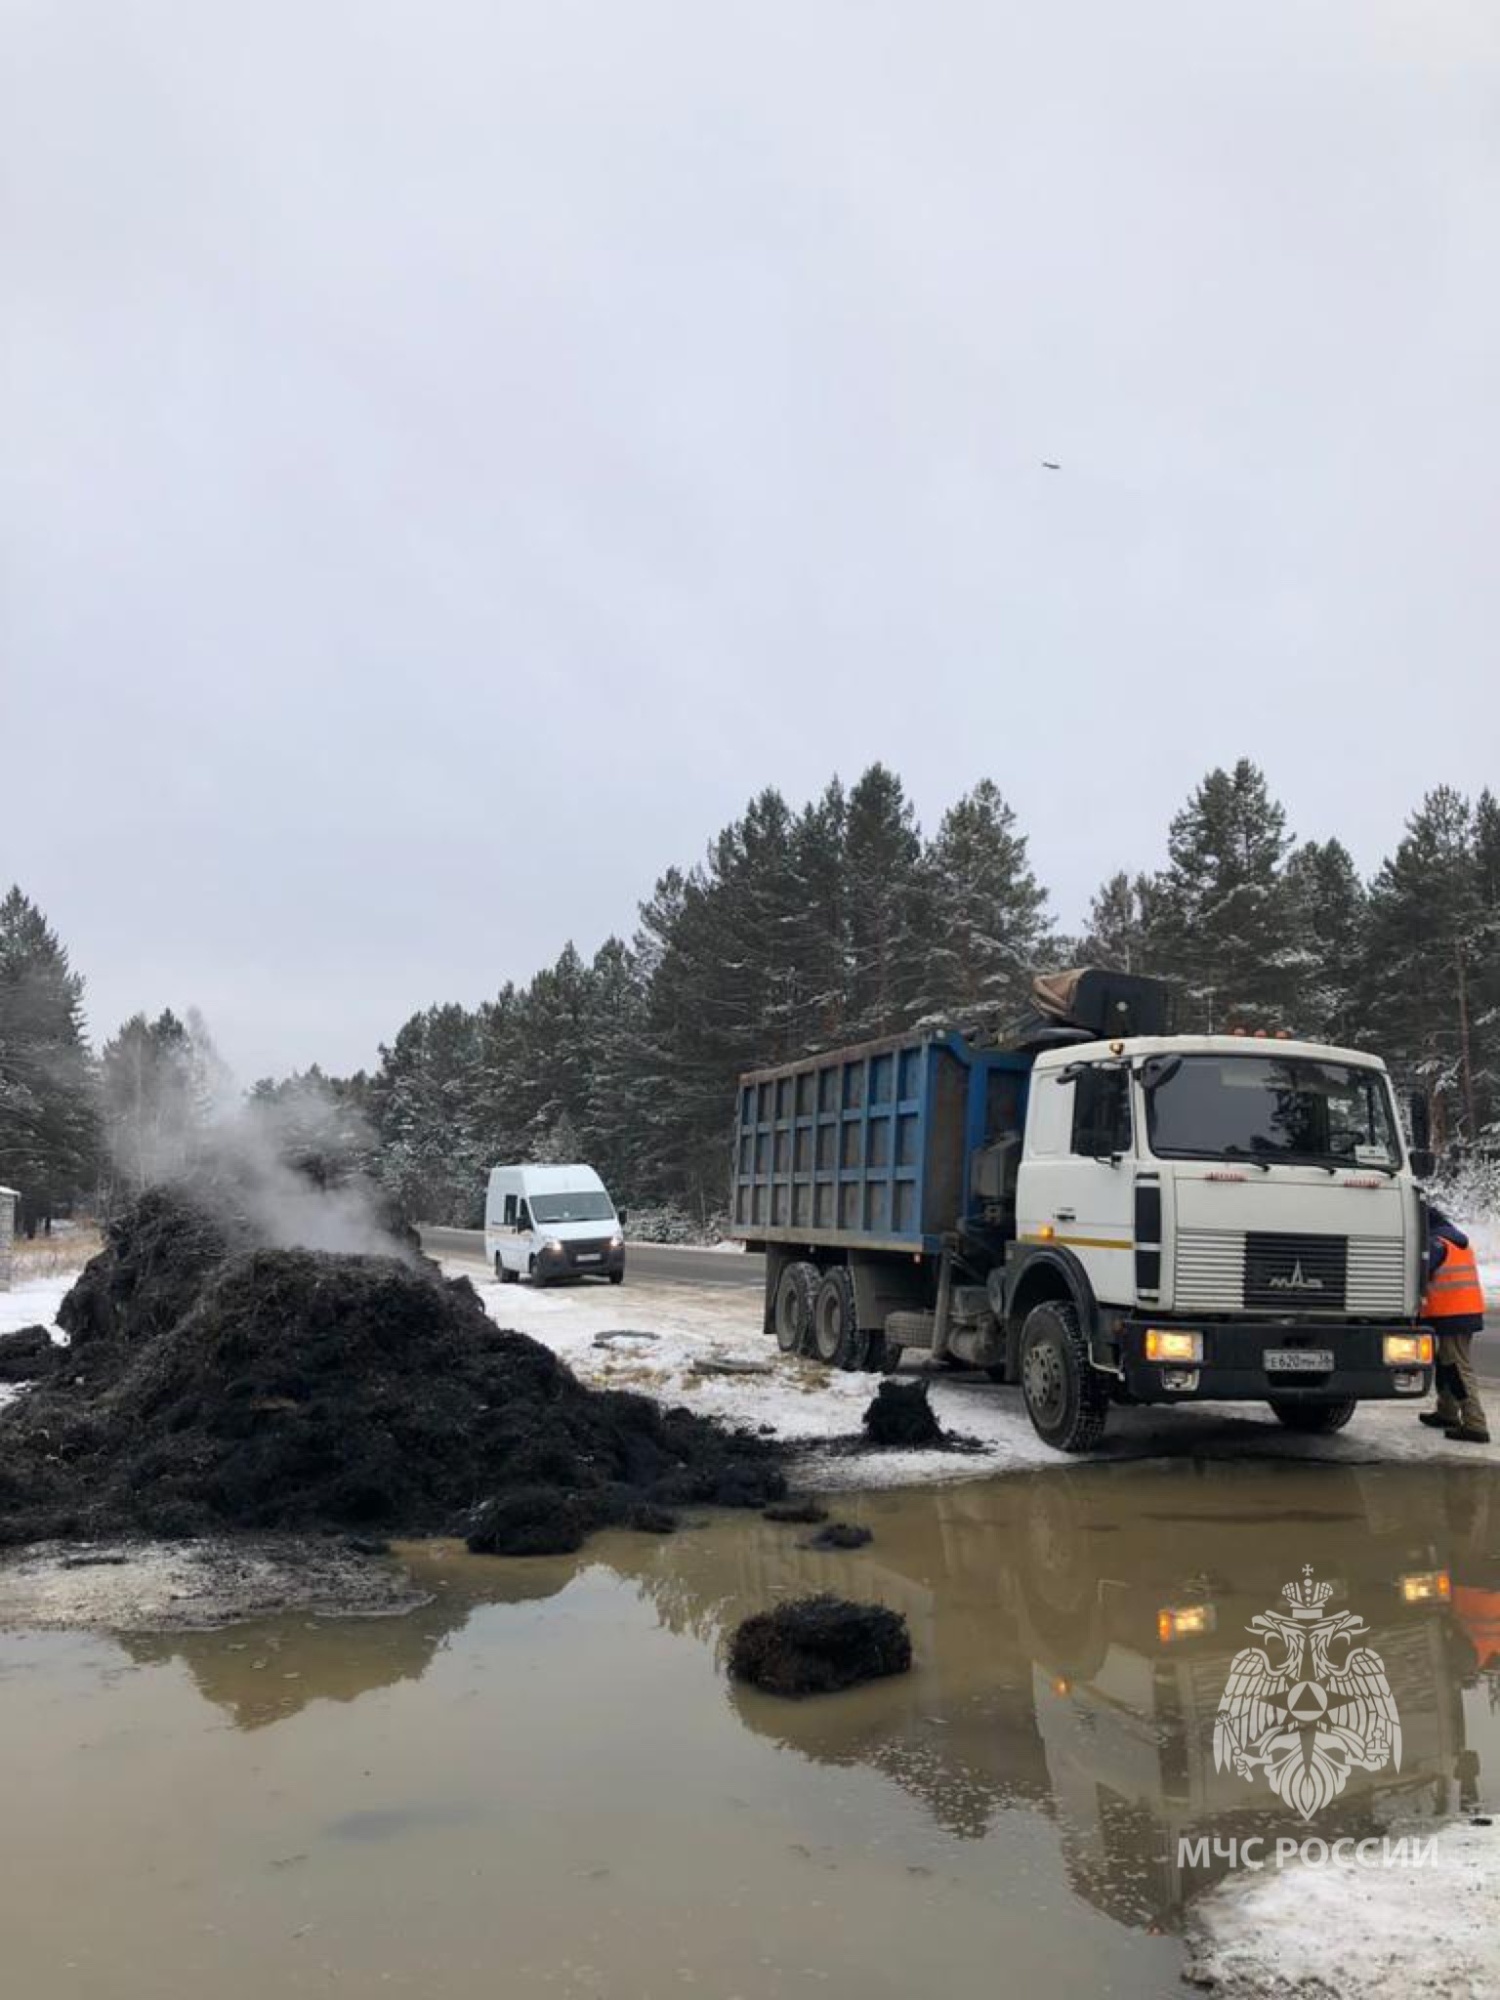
(454, 453)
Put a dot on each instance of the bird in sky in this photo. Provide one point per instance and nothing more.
(1051, 465)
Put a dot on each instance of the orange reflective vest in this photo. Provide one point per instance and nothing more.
(1453, 1290)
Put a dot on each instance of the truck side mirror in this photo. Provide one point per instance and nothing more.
(622, 1216)
(1423, 1162)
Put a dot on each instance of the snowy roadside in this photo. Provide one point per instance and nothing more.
(697, 1328)
(33, 1302)
(1341, 1930)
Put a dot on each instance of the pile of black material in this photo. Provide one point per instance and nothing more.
(901, 1415)
(819, 1644)
(28, 1355)
(215, 1386)
(799, 1512)
(840, 1535)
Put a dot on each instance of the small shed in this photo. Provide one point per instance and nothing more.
(8, 1199)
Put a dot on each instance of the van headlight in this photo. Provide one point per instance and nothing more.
(1408, 1350)
(617, 1241)
(1170, 1343)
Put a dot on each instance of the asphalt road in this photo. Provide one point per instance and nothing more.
(674, 1264)
(668, 1262)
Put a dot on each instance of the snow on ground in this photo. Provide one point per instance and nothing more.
(1340, 1930)
(32, 1302)
(802, 1400)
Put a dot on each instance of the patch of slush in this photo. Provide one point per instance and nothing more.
(802, 1401)
(1342, 1932)
(186, 1586)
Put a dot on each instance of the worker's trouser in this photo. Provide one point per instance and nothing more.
(1457, 1383)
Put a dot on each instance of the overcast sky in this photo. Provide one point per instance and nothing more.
(455, 453)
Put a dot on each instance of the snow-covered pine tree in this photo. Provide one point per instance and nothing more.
(984, 916)
(48, 1116)
(1226, 923)
(1327, 901)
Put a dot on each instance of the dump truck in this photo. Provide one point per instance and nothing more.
(1101, 1211)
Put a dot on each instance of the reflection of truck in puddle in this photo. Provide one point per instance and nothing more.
(1129, 1670)
(1074, 1643)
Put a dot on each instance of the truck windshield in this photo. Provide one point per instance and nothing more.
(586, 1205)
(1272, 1108)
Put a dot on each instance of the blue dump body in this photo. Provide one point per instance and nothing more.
(870, 1147)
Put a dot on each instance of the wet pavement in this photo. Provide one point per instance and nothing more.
(541, 1783)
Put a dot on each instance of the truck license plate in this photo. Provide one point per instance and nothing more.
(1299, 1361)
(591, 1258)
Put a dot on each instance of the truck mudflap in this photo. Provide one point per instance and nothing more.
(1292, 1362)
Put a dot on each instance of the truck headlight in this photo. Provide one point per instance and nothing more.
(1428, 1586)
(1184, 1621)
(617, 1241)
(1170, 1343)
(1408, 1350)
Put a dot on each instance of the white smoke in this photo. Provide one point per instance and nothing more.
(291, 1159)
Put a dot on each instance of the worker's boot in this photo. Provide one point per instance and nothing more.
(1435, 1420)
(1467, 1434)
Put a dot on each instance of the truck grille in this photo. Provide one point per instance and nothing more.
(1210, 1270)
(1224, 1270)
(1286, 1273)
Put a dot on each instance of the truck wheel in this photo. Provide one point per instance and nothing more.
(617, 1277)
(1320, 1419)
(875, 1355)
(1065, 1399)
(833, 1329)
(538, 1281)
(791, 1310)
(505, 1277)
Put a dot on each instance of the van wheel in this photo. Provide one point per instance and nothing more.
(1065, 1399)
(1318, 1419)
(617, 1277)
(535, 1276)
(833, 1328)
(792, 1308)
(506, 1277)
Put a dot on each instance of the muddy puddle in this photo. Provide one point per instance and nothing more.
(541, 1783)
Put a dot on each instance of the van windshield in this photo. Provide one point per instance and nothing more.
(584, 1205)
(1272, 1108)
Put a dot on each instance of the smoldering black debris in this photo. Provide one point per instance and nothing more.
(818, 1645)
(797, 1513)
(28, 1355)
(900, 1414)
(216, 1384)
(840, 1535)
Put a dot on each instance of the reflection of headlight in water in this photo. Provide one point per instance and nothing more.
(1428, 1586)
(1184, 1621)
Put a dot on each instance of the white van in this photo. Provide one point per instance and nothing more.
(552, 1222)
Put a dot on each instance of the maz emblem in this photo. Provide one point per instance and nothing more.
(1294, 1281)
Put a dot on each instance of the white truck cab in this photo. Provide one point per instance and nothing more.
(546, 1223)
(1240, 1211)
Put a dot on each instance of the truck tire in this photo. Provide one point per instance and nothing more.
(1315, 1419)
(833, 1318)
(791, 1309)
(505, 1277)
(1065, 1399)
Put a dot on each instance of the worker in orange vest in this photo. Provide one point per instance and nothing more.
(1453, 1306)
